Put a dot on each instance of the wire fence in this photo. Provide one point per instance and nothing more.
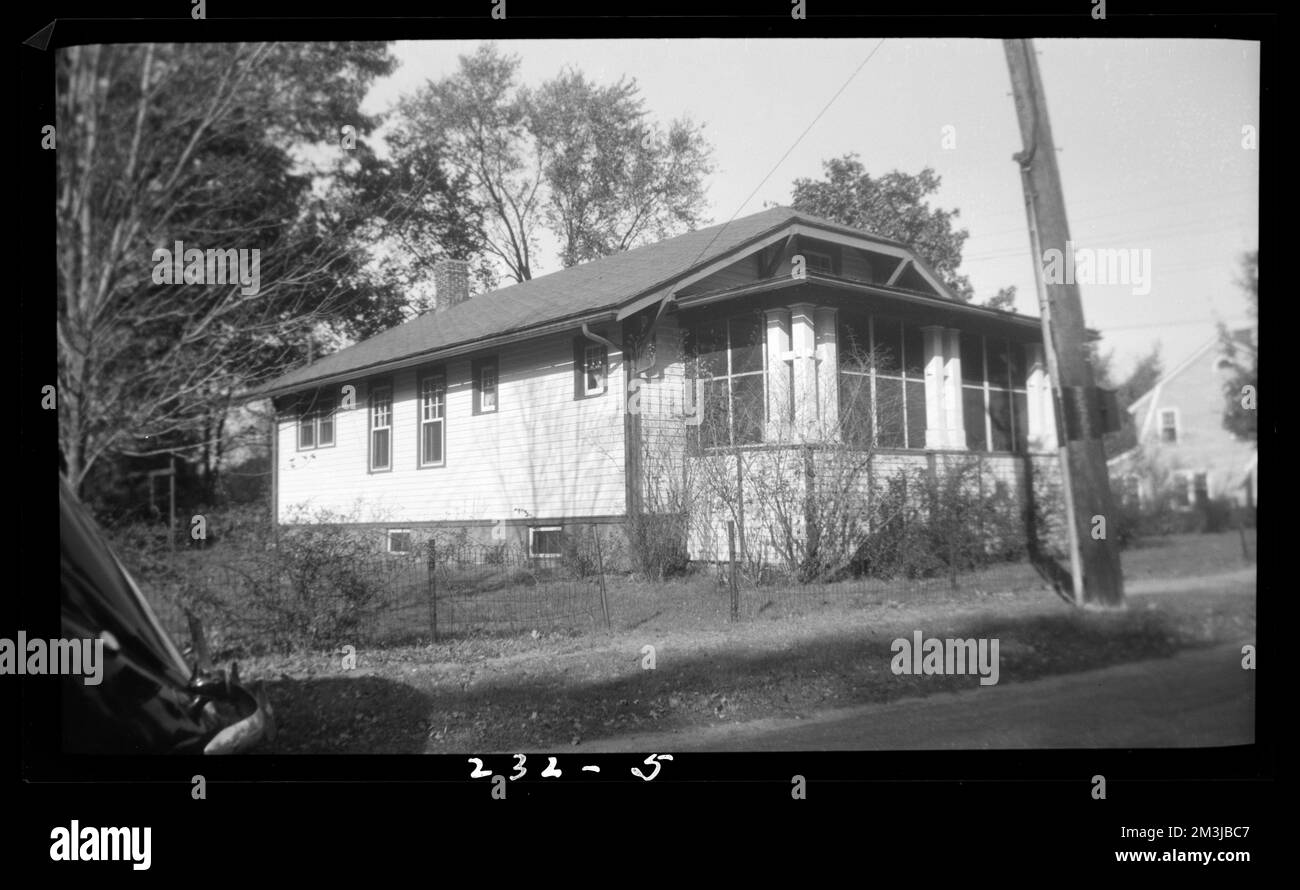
(304, 595)
(283, 598)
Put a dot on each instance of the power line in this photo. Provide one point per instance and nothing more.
(763, 182)
(1219, 197)
(1186, 230)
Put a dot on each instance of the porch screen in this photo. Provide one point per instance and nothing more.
(728, 360)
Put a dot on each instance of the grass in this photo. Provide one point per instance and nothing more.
(545, 690)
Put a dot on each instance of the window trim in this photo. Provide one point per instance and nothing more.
(581, 345)
(319, 410)
(986, 387)
(1178, 426)
(730, 376)
(903, 376)
(602, 362)
(376, 387)
(388, 535)
(438, 372)
(532, 546)
(477, 367)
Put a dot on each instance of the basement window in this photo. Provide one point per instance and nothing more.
(399, 540)
(544, 541)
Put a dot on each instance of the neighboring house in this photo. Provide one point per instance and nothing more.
(1183, 451)
(528, 410)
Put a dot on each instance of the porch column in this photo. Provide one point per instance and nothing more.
(803, 352)
(778, 375)
(954, 424)
(1038, 394)
(934, 395)
(828, 371)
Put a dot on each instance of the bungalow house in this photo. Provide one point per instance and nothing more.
(521, 412)
(1183, 451)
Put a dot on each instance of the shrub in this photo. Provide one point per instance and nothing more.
(657, 544)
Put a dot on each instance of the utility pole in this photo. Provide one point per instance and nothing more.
(1078, 400)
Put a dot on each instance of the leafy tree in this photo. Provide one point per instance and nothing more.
(1146, 372)
(206, 144)
(894, 206)
(571, 157)
(613, 180)
(1004, 299)
(1241, 347)
(477, 113)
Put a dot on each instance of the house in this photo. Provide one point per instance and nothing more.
(1183, 451)
(531, 409)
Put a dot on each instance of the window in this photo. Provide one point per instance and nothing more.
(882, 382)
(590, 368)
(484, 373)
(1200, 488)
(544, 541)
(433, 419)
(728, 361)
(316, 427)
(399, 540)
(381, 428)
(1131, 490)
(1169, 425)
(995, 400)
(595, 369)
(815, 261)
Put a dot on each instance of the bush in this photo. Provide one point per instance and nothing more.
(923, 527)
(657, 544)
(578, 554)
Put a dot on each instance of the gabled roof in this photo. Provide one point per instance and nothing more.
(1150, 399)
(583, 293)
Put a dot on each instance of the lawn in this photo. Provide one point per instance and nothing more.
(545, 690)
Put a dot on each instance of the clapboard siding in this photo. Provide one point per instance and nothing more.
(543, 454)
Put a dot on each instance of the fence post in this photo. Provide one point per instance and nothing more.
(600, 567)
(431, 555)
(731, 559)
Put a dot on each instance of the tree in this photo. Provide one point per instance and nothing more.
(613, 180)
(479, 116)
(1241, 348)
(1146, 372)
(894, 206)
(571, 157)
(196, 143)
(1004, 299)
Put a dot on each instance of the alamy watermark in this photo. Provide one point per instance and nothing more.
(1086, 265)
(950, 656)
(90, 844)
(85, 657)
(194, 266)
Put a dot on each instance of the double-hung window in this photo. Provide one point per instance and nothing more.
(433, 419)
(590, 368)
(486, 385)
(381, 428)
(1169, 425)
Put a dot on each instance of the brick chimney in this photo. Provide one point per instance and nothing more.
(450, 282)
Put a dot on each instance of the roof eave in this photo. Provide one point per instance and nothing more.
(774, 284)
(430, 356)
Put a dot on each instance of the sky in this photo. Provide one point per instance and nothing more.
(1149, 136)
